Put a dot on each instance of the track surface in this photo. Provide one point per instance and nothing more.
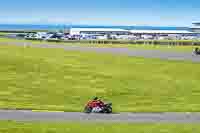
(122, 117)
(168, 55)
(81, 117)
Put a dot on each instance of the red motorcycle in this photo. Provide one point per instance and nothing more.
(196, 51)
(106, 108)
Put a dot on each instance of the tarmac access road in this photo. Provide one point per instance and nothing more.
(25, 115)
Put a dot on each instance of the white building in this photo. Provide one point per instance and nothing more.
(160, 32)
(94, 31)
(195, 28)
(113, 33)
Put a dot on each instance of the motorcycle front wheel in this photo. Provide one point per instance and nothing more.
(87, 110)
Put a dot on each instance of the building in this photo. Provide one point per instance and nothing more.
(102, 33)
(160, 32)
(98, 31)
(195, 28)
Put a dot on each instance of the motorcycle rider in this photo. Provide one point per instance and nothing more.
(196, 50)
(96, 104)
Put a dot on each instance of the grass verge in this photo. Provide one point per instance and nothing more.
(39, 127)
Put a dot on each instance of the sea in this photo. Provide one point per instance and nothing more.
(61, 27)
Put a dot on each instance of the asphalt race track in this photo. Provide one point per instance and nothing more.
(167, 55)
(23, 115)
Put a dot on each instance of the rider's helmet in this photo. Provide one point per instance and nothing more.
(95, 98)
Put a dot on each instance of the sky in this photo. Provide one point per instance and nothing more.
(101, 12)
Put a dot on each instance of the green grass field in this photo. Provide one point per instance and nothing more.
(135, 46)
(54, 79)
(38, 127)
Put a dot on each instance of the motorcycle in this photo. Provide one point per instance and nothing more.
(107, 108)
(196, 52)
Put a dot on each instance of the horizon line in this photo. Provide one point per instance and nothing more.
(107, 25)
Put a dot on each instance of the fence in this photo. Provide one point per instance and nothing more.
(146, 42)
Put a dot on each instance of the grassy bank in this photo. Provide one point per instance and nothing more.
(38, 127)
(134, 46)
(53, 79)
